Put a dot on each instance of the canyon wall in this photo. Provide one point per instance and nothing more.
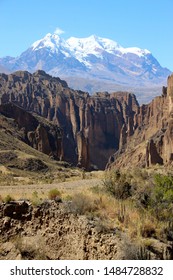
(152, 140)
(91, 128)
(34, 131)
(88, 130)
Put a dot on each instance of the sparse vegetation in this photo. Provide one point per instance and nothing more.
(36, 200)
(145, 207)
(117, 184)
(30, 250)
(83, 204)
(54, 193)
(161, 200)
(8, 198)
(132, 250)
(136, 203)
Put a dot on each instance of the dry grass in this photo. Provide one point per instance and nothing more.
(88, 197)
(30, 248)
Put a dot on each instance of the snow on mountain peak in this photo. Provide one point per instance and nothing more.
(134, 50)
(82, 47)
(96, 45)
(51, 41)
(93, 58)
(92, 44)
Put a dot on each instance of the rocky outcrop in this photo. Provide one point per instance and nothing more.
(92, 127)
(152, 140)
(50, 231)
(61, 234)
(39, 134)
(19, 210)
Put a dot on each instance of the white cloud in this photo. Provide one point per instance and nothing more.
(58, 31)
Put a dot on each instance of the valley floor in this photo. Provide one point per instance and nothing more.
(42, 189)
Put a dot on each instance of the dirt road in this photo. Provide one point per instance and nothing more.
(78, 185)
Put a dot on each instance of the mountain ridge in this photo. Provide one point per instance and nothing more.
(92, 58)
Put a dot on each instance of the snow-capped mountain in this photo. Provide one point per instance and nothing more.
(97, 46)
(90, 60)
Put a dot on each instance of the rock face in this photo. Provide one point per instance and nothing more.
(45, 137)
(20, 210)
(152, 140)
(88, 128)
(49, 231)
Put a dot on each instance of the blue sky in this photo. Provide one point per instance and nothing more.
(140, 23)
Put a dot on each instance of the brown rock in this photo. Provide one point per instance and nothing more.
(16, 209)
(39, 134)
(8, 251)
(151, 142)
(90, 127)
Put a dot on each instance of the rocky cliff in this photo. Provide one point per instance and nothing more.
(35, 131)
(152, 140)
(89, 128)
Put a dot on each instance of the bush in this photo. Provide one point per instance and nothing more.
(161, 201)
(82, 204)
(117, 184)
(133, 251)
(29, 250)
(163, 190)
(35, 199)
(148, 229)
(53, 194)
(8, 198)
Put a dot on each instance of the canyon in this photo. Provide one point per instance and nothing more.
(47, 130)
(86, 130)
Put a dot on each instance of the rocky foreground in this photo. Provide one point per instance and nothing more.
(53, 231)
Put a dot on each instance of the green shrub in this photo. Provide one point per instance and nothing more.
(163, 190)
(161, 201)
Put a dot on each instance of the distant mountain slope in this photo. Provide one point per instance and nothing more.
(4, 70)
(94, 60)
